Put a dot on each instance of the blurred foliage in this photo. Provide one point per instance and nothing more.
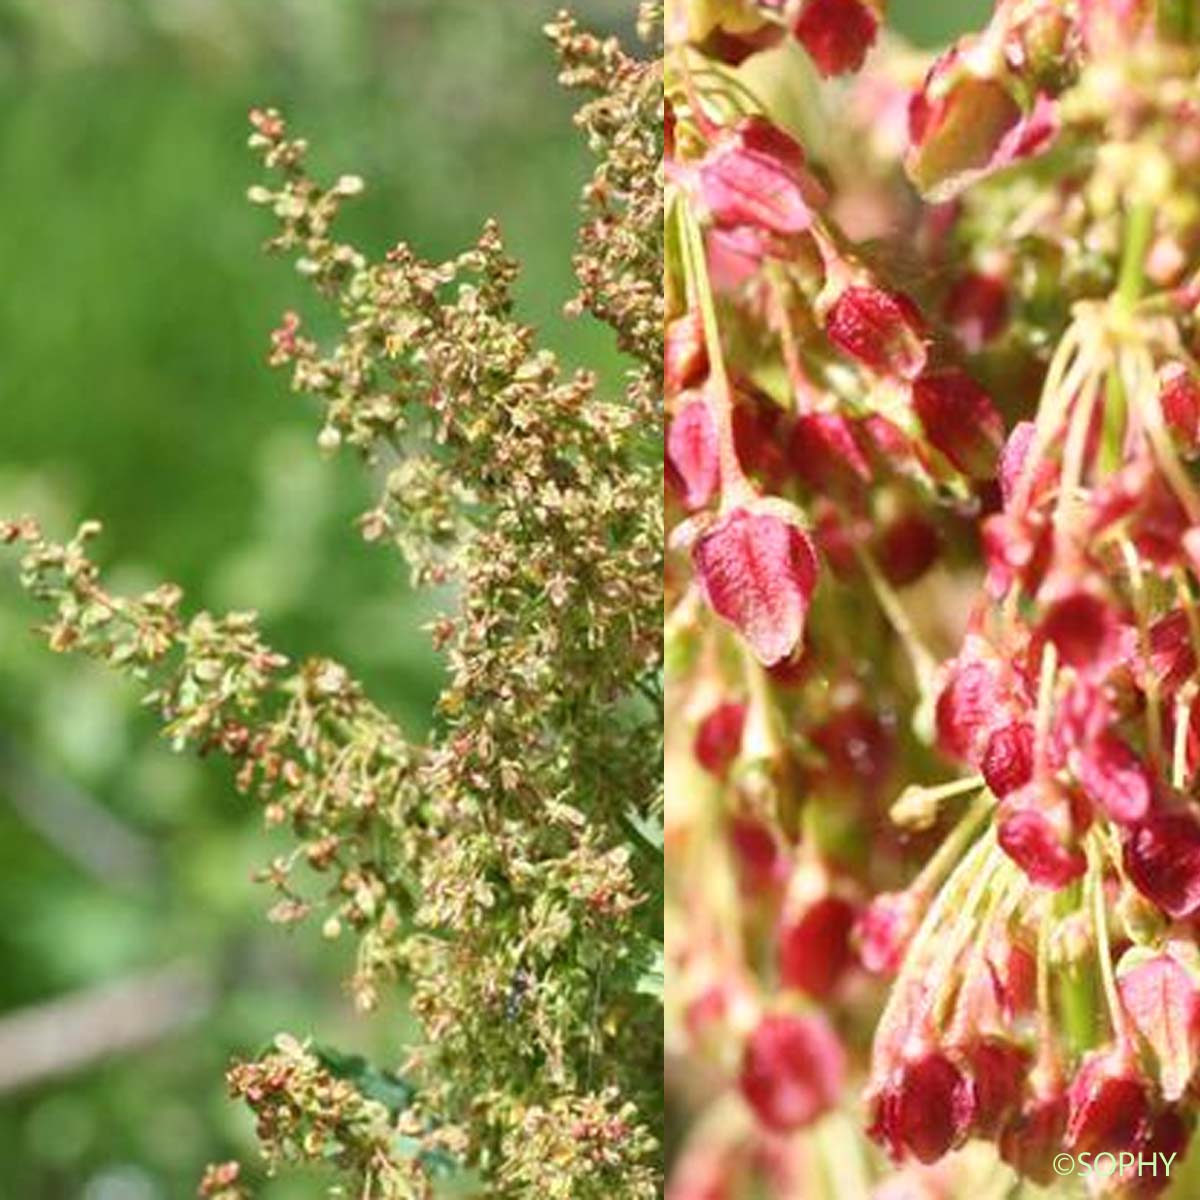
(133, 330)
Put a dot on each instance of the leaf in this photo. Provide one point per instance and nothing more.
(652, 980)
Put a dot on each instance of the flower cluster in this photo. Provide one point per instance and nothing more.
(932, 474)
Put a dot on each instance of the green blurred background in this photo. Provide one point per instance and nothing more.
(133, 323)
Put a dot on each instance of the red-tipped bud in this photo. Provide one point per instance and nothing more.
(814, 946)
(837, 33)
(792, 1071)
(758, 572)
(879, 329)
(1162, 858)
(925, 1107)
(960, 421)
(719, 738)
(692, 452)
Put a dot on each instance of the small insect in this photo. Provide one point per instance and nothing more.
(522, 982)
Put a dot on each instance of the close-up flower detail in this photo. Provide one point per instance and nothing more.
(948, 594)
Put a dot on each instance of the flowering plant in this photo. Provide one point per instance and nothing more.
(932, 632)
(504, 873)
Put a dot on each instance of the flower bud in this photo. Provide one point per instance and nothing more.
(1115, 779)
(1109, 1104)
(884, 930)
(719, 738)
(814, 946)
(1007, 762)
(924, 1108)
(976, 308)
(1179, 396)
(792, 1071)
(837, 33)
(758, 572)
(685, 356)
(1029, 1142)
(1162, 858)
(826, 456)
(879, 329)
(998, 1070)
(1038, 830)
(960, 421)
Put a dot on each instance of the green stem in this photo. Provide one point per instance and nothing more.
(1103, 946)
(1139, 228)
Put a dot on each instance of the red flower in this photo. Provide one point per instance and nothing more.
(693, 454)
(1029, 1142)
(884, 930)
(762, 864)
(960, 421)
(879, 329)
(998, 1071)
(1114, 778)
(826, 456)
(719, 737)
(1179, 395)
(814, 946)
(977, 309)
(906, 547)
(1162, 857)
(755, 175)
(836, 33)
(1007, 762)
(925, 1108)
(758, 572)
(1109, 1105)
(1038, 831)
(971, 704)
(792, 1071)
(1086, 631)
